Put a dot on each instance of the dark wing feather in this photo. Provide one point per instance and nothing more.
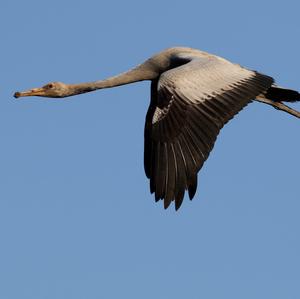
(189, 106)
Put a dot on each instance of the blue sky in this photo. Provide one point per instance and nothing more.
(76, 216)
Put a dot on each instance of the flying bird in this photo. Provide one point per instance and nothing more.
(193, 94)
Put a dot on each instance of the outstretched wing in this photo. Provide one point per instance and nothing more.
(189, 106)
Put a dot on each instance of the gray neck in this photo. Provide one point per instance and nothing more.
(140, 73)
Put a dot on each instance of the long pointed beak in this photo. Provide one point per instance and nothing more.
(30, 92)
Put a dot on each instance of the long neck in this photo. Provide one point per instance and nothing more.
(142, 72)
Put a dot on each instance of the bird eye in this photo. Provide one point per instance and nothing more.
(50, 85)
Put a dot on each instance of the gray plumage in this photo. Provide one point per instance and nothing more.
(193, 94)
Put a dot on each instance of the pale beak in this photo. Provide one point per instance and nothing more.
(31, 92)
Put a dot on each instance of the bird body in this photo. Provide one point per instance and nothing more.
(193, 94)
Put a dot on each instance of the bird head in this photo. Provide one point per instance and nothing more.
(50, 90)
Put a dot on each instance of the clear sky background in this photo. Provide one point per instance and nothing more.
(76, 217)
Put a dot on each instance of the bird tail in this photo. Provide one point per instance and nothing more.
(280, 94)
